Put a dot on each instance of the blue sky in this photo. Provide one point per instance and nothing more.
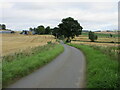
(92, 15)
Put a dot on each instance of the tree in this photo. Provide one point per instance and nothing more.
(47, 30)
(31, 29)
(69, 28)
(55, 32)
(111, 35)
(40, 30)
(0, 26)
(92, 36)
(3, 26)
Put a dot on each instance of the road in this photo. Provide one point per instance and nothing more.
(66, 71)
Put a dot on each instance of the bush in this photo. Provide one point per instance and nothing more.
(49, 42)
(92, 36)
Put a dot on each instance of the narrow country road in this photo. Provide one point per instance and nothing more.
(66, 71)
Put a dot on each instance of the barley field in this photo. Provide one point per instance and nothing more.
(12, 43)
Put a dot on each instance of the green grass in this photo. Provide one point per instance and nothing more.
(111, 51)
(22, 65)
(101, 70)
(102, 35)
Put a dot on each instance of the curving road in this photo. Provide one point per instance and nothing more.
(66, 71)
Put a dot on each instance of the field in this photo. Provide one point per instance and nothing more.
(102, 59)
(12, 43)
(34, 51)
(103, 39)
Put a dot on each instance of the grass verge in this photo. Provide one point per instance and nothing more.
(102, 71)
(18, 65)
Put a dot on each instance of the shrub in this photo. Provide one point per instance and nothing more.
(92, 36)
(49, 42)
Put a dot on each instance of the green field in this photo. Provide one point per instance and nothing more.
(21, 64)
(101, 70)
(102, 35)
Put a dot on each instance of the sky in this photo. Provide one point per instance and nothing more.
(91, 14)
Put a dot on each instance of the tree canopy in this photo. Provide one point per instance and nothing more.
(3, 26)
(47, 30)
(41, 30)
(69, 28)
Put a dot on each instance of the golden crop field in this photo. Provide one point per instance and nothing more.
(101, 41)
(12, 43)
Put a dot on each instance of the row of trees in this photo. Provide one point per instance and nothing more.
(68, 28)
(41, 30)
(2, 26)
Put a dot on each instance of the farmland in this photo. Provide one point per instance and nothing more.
(12, 43)
(104, 43)
(18, 49)
(103, 39)
(104, 52)
(39, 56)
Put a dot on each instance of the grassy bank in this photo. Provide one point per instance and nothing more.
(21, 64)
(102, 71)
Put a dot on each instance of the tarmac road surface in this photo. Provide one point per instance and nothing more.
(66, 71)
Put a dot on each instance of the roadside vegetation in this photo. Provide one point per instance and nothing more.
(20, 64)
(101, 70)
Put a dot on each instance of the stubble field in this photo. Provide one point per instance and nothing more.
(12, 43)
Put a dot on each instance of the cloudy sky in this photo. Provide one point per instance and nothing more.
(21, 15)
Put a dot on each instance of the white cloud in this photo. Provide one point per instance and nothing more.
(5, 5)
(60, 0)
(92, 15)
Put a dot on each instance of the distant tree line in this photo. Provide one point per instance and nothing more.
(41, 30)
(68, 28)
(2, 27)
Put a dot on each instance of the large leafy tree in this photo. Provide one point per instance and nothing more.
(69, 28)
(47, 30)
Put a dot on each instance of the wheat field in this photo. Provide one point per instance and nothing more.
(12, 43)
